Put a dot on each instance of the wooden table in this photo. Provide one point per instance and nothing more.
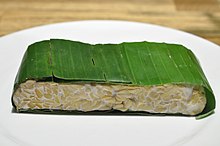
(200, 17)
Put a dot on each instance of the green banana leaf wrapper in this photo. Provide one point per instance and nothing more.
(131, 63)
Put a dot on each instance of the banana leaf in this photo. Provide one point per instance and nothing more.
(131, 63)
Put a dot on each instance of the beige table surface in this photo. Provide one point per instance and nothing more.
(200, 17)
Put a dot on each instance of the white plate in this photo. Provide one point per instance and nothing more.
(57, 130)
